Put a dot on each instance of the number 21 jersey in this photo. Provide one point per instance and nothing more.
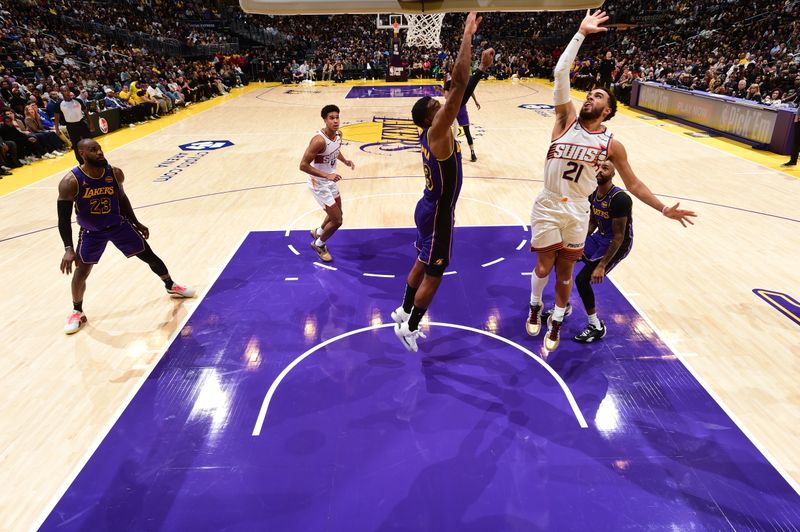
(573, 161)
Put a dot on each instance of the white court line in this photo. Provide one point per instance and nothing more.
(103, 433)
(682, 357)
(522, 245)
(513, 215)
(262, 414)
(527, 273)
(492, 263)
(382, 275)
(291, 248)
(195, 114)
(450, 273)
(765, 170)
(291, 278)
(324, 266)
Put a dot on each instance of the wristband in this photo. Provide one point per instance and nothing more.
(664, 209)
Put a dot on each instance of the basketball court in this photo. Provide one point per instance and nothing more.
(280, 397)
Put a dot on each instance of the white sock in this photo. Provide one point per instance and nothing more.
(537, 287)
(594, 321)
(318, 232)
(558, 313)
(318, 242)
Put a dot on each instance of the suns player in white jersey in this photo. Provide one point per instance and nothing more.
(319, 162)
(560, 215)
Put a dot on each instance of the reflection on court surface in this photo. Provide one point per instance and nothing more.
(471, 433)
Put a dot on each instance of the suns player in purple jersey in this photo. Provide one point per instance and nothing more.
(435, 212)
(462, 118)
(104, 215)
(319, 163)
(560, 214)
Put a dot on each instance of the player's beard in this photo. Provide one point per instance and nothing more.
(591, 114)
(97, 163)
(602, 180)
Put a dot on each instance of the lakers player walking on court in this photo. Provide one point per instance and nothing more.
(435, 212)
(560, 215)
(104, 215)
(319, 162)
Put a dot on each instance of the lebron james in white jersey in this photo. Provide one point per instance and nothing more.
(560, 214)
(319, 163)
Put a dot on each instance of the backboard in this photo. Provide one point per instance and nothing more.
(321, 7)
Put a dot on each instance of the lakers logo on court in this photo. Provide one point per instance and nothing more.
(386, 135)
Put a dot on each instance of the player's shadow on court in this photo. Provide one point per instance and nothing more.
(167, 326)
(704, 453)
(462, 479)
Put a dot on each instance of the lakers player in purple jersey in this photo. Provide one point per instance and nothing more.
(560, 215)
(435, 212)
(104, 215)
(609, 241)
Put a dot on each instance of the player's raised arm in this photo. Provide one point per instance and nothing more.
(565, 110)
(619, 156)
(487, 58)
(444, 118)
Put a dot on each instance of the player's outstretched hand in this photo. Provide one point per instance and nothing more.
(683, 216)
(350, 164)
(591, 23)
(67, 260)
(471, 25)
(487, 58)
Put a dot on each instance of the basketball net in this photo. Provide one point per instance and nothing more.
(424, 29)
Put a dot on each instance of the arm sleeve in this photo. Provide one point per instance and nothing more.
(471, 84)
(561, 72)
(65, 222)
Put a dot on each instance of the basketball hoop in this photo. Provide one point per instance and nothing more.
(424, 29)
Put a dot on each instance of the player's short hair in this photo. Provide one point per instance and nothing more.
(612, 104)
(328, 109)
(420, 111)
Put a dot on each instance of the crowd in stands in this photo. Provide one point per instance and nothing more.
(744, 48)
(748, 49)
(40, 60)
